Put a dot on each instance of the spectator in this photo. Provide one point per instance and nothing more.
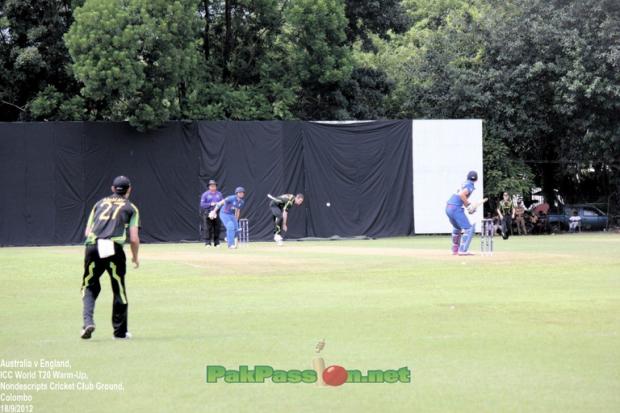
(542, 224)
(520, 218)
(575, 222)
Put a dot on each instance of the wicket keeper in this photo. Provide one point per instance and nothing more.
(463, 231)
(279, 206)
(231, 206)
(106, 232)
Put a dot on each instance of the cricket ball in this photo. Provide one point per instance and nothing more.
(335, 375)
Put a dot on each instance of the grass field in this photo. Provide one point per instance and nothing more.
(536, 327)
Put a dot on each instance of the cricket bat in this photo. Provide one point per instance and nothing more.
(476, 204)
(318, 364)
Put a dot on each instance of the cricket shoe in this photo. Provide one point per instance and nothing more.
(466, 254)
(87, 332)
(128, 336)
(232, 247)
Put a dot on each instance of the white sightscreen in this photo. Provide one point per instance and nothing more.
(443, 152)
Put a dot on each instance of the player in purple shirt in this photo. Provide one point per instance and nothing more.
(231, 206)
(462, 230)
(210, 226)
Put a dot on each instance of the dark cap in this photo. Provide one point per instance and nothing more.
(121, 184)
(240, 189)
(472, 176)
(212, 182)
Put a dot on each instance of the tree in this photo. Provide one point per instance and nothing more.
(555, 94)
(542, 74)
(318, 55)
(379, 17)
(366, 92)
(33, 56)
(240, 75)
(237, 37)
(135, 58)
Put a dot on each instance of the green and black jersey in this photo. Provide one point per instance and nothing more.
(110, 219)
(505, 207)
(284, 202)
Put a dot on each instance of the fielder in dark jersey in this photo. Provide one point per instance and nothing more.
(506, 212)
(279, 206)
(106, 232)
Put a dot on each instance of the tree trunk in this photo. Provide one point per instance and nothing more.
(205, 46)
(227, 39)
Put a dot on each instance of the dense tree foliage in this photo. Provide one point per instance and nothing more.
(134, 58)
(33, 56)
(544, 75)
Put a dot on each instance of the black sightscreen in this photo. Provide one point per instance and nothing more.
(52, 174)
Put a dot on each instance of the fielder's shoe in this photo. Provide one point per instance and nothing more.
(87, 332)
(128, 336)
(207, 245)
(232, 247)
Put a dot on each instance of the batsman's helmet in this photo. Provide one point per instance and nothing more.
(121, 184)
(472, 176)
(239, 189)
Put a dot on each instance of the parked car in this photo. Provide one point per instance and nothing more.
(592, 218)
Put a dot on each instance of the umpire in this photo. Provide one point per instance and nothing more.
(106, 232)
(210, 226)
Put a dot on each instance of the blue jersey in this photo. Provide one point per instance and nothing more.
(231, 204)
(456, 199)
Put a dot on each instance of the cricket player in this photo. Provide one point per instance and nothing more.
(279, 206)
(463, 231)
(506, 212)
(106, 232)
(231, 207)
(211, 226)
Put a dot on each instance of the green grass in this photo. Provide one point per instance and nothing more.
(536, 327)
